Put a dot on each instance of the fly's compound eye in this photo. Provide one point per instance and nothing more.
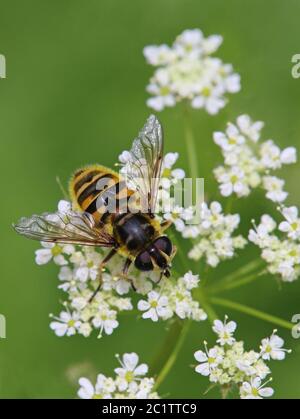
(143, 262)
(164, 245)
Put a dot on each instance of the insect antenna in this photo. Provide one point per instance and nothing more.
(61, 187)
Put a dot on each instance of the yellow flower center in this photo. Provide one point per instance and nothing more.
(97, 396)
(166, 173)
(129, 376)
(189, 48)
(154, 304)
(294, 226)
(206, 92)
(234, 179)
(179, 296)
(56, 250)
(164, 90)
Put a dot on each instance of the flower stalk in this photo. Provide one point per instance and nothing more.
(252, 312)
(169, 351)
(237, 283)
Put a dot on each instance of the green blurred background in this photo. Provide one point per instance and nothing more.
(75, 94)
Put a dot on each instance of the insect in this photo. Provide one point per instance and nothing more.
(109, 214)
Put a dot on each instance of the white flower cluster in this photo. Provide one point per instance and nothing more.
(282, 253)
(229, 365)
(79, 278)
(187, 71)
(216, 229)
(129, 383)
(173, 297)
(248, 163)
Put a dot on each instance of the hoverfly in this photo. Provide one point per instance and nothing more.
(137, 234)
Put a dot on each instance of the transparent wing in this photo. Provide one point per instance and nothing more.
(142, 171)
(71, 228)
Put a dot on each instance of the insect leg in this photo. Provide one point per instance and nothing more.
(174, 251)
(101, 266)
(165, 225)
(124, 273)
(126, 267)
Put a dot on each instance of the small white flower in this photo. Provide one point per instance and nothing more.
(216, 235)
(88, 270)
(130, 370)
(260, 235)
(268, 223)
(170, 176)
(249, 128)
(105, 320)
(189, 42)
(274, 187)
(129, 382)
(64, 207)
(292, 224)
(230, 140)
(191, 281)
(178, 216)
(211, 43)
(272, 348)
(232, 182)
(225, 331)
(208, 361)
(53, 251)
(85, 329)
(86, 390)
(65, 324)
(209, 99)
(270, 155)
(212, 216)
(163, 96)
(169, 160)
(125, 157)
(102, 390)
(66, 276)
(159, 55)
(255, 390)
(155, 307)
(288, 155)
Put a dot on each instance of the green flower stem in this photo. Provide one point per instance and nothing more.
(241, 272)
(201, 297)
(190, 144)
(175, 340)
(252, 312)
(237, 283)
(169, 351)
(229, 205)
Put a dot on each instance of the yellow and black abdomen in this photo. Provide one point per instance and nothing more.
(99, 191)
